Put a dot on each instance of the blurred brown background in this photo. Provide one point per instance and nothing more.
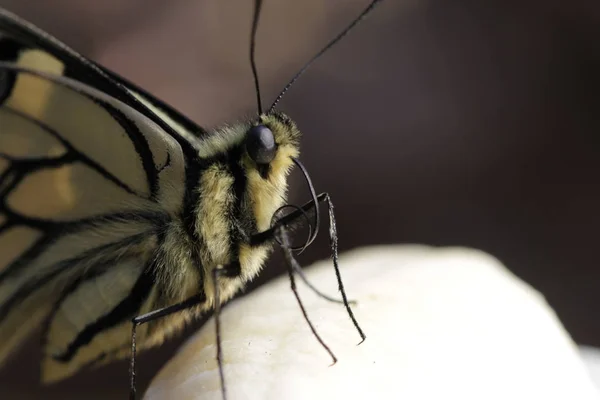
(447, 123)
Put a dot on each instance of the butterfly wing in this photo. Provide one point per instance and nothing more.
(87, 188)
(92, 172)
(26, 45)
(92, 169)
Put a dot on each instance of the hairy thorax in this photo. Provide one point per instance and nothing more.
(235, 199)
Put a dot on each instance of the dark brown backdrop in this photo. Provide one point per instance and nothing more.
(448, 123)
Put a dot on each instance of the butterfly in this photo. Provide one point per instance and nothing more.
(121, 219)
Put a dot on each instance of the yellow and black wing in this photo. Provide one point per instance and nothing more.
(92, 172)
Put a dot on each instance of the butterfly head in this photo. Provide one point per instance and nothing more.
(272, 148)
(270, 144)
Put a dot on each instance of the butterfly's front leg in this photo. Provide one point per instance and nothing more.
(279, 233)
(292, 218)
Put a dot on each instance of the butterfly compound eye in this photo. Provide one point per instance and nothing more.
(260, 144)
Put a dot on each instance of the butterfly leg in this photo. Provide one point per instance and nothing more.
(298, 269)
(333, 241)
(215, 275)
(151, 316)
(287, 253)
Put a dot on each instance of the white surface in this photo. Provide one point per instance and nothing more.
(445, 323)
(591, 359)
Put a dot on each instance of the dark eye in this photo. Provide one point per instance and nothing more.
(260, 144)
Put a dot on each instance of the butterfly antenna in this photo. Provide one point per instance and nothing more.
(255, 18)
(339, 37)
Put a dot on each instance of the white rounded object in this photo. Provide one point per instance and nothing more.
(441, 323)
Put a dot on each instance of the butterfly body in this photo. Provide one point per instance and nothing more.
(114, 205)
(121, 219)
